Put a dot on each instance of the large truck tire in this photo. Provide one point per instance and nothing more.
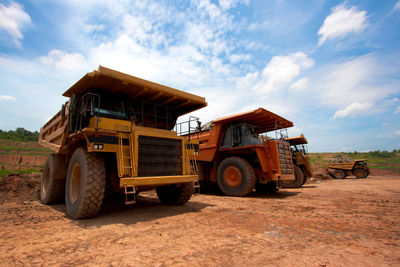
(176, 194)
(85, 184)
(339, 174)
(236, 177)
(268, 188)
(52, 187)
(360, 173)
(298, 181)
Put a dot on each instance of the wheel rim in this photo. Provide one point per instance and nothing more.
(46, 181)
(75, 183)
(232, 176)
(339, 174)
(359, 173)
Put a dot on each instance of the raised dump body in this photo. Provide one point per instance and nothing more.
(301, 161)
(116, 130)
(235, 153)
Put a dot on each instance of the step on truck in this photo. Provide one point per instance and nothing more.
(301, 162)
(236, 153)
(115, 131)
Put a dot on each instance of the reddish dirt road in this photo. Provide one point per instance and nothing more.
(334, 223)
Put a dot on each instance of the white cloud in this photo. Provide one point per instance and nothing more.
(235, 58)
(246, 82)
(281, 71)
(341, 22)
(300, 84)
(397, 133)
(358, 80)
(64, 60)
(354, 109)
(7, 98)
(397, 6)
(397, 111)
(227, 4)
(13, 19)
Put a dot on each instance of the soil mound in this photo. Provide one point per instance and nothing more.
(19, 187)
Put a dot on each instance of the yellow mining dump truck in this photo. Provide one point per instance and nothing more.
(302, 163)
(340, 170)
(116, 131)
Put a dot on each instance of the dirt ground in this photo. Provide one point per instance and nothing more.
(330, 223)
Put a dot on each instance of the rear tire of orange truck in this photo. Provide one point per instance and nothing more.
(298, 181)
(52, 187)
(236, 177)
(85, 184)
(175, 194)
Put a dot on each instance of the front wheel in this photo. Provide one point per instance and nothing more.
(85, 184)
(360, 173)
(236, 177)
(298, 181)
(175, 194)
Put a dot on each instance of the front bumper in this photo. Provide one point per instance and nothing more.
(157, 180)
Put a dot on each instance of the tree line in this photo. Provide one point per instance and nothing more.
(20, 134)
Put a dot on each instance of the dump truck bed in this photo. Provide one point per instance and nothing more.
(297, 140)
(264, 120)
(54, 133)
(115, 82)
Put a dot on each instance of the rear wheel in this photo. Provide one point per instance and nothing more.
(236, 177)
(360, 173)
(85, 184)
(298, 181)
(339, 174)
(52, 186)
(175, 194)
(268, 188)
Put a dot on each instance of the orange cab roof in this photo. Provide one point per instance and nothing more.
(265, 120)
(115, 82)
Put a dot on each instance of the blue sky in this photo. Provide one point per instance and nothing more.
(331, 67)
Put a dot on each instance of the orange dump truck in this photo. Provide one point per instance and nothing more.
(235, 153)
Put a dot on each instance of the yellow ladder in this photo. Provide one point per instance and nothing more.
(126, 158)
(192, 167)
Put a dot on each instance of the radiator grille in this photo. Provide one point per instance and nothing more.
(159, 156)
(285, 157)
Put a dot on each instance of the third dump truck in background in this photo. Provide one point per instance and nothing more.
(235, 153)
(301, 161)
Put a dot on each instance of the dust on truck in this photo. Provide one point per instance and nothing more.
(116, 131)
(235, 153)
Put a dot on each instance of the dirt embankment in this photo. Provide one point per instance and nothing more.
(352, 222)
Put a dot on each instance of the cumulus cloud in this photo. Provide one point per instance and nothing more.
(341, 22)
(281, 71)
(64, 60)
(397, 6)
(397, 133)
(13, 19)
(354, 109)
(300, 84)
(7, 98)
(358, 80)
